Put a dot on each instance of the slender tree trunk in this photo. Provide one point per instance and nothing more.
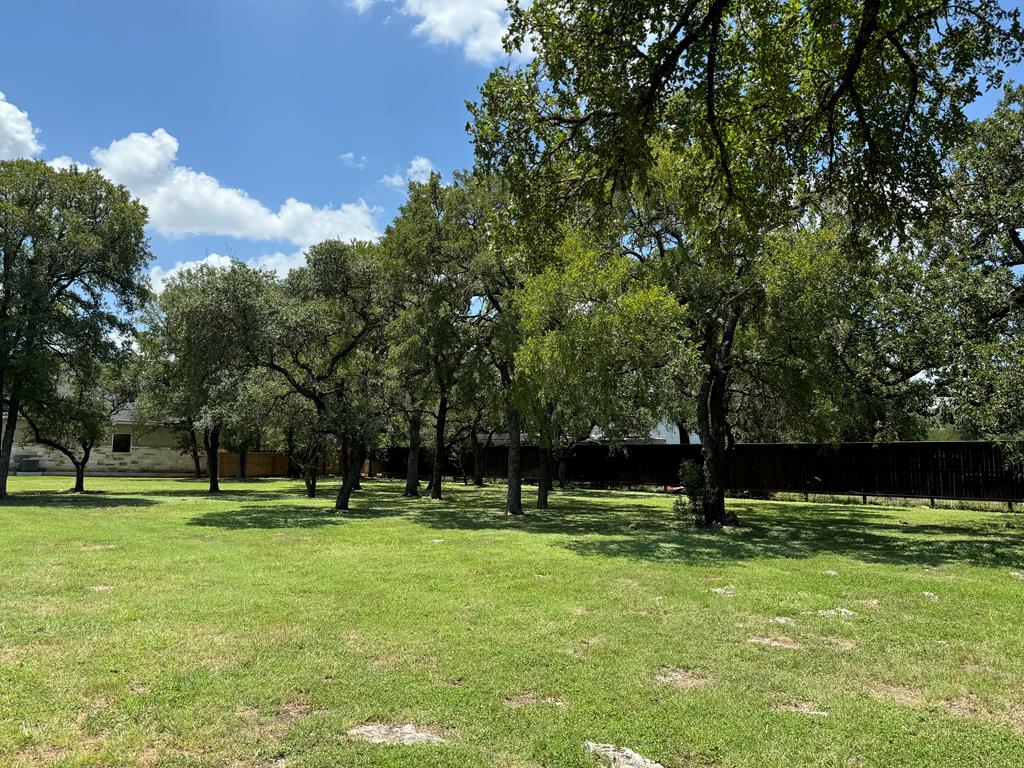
(439, 447)
(293, 467)
(712, 426)
(351, 475)
(79, 477)
(684, 432)
(412, 462)
(514, 498)
(243, 459)
(563, 473)
(309, 477)
(211, 441)
(193, 445)
(478, 459)
(544, 482)
(7, 443)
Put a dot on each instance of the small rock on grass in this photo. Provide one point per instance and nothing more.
(388, 733)
(776, 642)
(830, 572)
(844, 612)
(621, 757)
(725, 591)
(931, 596)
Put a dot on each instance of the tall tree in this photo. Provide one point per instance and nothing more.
(983, 235)
(427, 247)
(193, 345)
(598, 341)
(73, 250)
(76, 410)
(756, 115)
(323, 337)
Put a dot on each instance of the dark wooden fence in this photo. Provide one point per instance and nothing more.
(939, 470)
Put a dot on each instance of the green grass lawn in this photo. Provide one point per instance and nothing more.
(148, 624)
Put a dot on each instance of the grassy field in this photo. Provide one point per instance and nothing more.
(147, 624)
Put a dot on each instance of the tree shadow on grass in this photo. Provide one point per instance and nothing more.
(647, 529)
(250, 489)
(270, 516)
(640, 527)
(65, 500)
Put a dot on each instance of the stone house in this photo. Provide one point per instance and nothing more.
(131, 449)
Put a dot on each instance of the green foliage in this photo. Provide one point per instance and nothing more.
(686, 504)
(73, 250)
(597, 338)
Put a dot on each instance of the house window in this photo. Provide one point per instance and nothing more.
(122, 443)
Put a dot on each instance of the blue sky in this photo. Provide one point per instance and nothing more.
(219, 112)
(316, 100)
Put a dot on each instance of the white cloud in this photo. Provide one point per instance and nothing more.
(419, 170)
(277, 262)
(477, 26)
(394, 180)
(64, 162)
(352, 160)
(182, 201)
(158, 276)
(18, 137)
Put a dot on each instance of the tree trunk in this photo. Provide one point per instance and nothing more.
(439, 447)
(79, 477)
(478, 459)
(309, 477)
(514, 498)
(193, 445)
(243, 458)
(412, 462)
(7, 443)
(211, 442)
(684, 432)
(713, 427)
(293, 467)
(351, 475)
(544, 482)
(563, 473)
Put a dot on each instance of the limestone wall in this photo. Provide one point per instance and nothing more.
(153, 451)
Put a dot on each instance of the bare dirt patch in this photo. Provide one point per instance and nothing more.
(784, 620)
(840, 643)
(901, 694)
(275, 727)
(529, 698)
(801, 707)
(97, 547)
(397, 733)
(683, 678)
(869, 602)
(966, 705)
(43, 755)
(776, 642)
(620, 757)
